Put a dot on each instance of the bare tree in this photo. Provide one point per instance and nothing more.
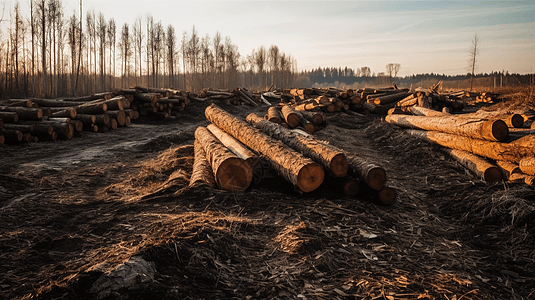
(273, 54)
(217, 48)
(472, 61)
(126, 51)
(101, 34)
(42, 12)
(138, 46)
(111, 43)
(260, 60)
(392, 69)
(171, 54)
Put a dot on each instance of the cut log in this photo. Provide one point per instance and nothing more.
(147, 97)
(127, 122)
(116, 103)
(386, 196)
(328, 156)
(63, 129)
(274, 115)
(527, 165)
(2, 139)
(427, 112)
(118, 115)
(306, 124)
(237, 148)
(302, 172)
(77, 125)
(490, 130)
(246, 98)
(290, 116)
(24, 113)
(348, 185)
(202, 171)
(86, 119)
(102, 120)
(527, 179)
(22, 128)
(113, 124)
(92, 108)
(477, 165)
(507, 168)
(231, 172)
(317, 118)
(63, 112)
(390, 98)
(373, 175)
(513, 151)
(12, 136)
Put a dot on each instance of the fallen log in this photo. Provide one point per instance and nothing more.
(116, 103)
(328, 156)
(147, 97)
(9, 117)
(231, 172)
(316, 118)
(513, 151)
(24, 113)
(302, 172)
(92, 108)
(59, 112)
(202, 171)
(386, 99)
(246, 98)
(63, 129)
(2, 139)
(386, 196)
(290, 116)
(11, 136)
(118, 115)
(507, 168)
(86, 119)
(373, 175)
(26, 128)
(527, 179)
(527, 165)
(348, 185)
(492, 130)
(480, 167)
(426, 112)
(237, 148)
(274, 115)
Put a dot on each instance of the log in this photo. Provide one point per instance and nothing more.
(63, 129)
(373, 175)
(426, 112)
(477, 165)
(113, 124)
(348, 185)
(330, 157)
(12, 136)
(507, 168)
(102, 120)
(513, 151)
(24, 113)
(2, 139)
(127, 122)
(386, 99)
(27, 128)
(317, 118)
(237, 148)
(386, 196)
(231, 173)
(302, 172)
(19, 102)
(147, 97)
(492, 130)
(118, 115)
(290, 116)
(527, 165)
(63, 112)
(247, 98)
(527, 179)
(306, 124)
(274, 115)
(202, 171)
(77, 125)
(116, 103)
(86, 119)
(54, 102)
(92, 108)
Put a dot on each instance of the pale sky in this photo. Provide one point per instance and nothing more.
(422, 36)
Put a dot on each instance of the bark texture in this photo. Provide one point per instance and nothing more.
(527, 165)
(477, 165)
(202, 172)
(373, 175)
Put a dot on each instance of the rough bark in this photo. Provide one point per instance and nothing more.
(24, 113)
(237, 148)
(427, 112)
(316, 118)
(274, 115)
(63, 129)
(202, 172)
(231, 172)
(92, 108)
(291, 117)
(513, 151)
(373, 175)
(147, 97)
(386, 195)
(386, 99)
(507, 168)
(12, 136)
(64, 112)
(477, 165)
(118, 115)
(24, 128)
(302, 172)
(330, 157)
(527, 165)
(9, 117)
(116, 103)
(492, 130)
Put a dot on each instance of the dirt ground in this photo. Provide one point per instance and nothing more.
(111, 216)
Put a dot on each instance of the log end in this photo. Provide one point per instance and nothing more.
(516, 120)
(309, 128)
(234, 175)
(387, 196)
(310, 177)
(2, 139)
(492, 175)
(292, 120)
(339, 165)
(376, 178)
(352, 187)
(495, 130)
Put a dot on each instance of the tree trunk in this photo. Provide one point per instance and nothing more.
(62, 128)
(527, 179)
(348, 185)
(64, 112)
(24, 113)
(202, 172)
(231, 172)
(9, 117)
(381, 100)
(291, 117)
(507, 168)
(477, 165)
(426, 112)
(527, 165)
(328, 156)
(92, 109)
(495, 130)
(11, 136)
(22, 128)
(386, 196)
(274, 115)
(118, 115)
(373, 175)
(513, 151)
(316, 118)
(291, 165)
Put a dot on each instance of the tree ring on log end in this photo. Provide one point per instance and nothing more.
(352, 187)
(492, 175)
(516, 120)
(498, 130)
(339, 165)
(310, 177)
(234, 175)
(376, 178)
(387, 196)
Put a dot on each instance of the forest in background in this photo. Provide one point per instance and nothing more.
(52, 54)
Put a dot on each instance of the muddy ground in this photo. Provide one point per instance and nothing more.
(99, 216)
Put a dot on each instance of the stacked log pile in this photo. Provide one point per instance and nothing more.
(301, 160)
(492, 145)
(239, 96)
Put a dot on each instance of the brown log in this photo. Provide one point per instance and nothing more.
(373, 175)
(63, 112)
(113, 124)
(2, 139)
(495, 130)
(103, 129)
(63, 129)
(302, 172)
(246, 98)
(427, 112)
(381, 100)
(147, 97)
(274, 115)
(306, 124)
(309, 106)
(116, 103)
(92, 108)
(127, 122)
(328, 156)
(477, 165)
(24, 113)
(102, 120)
(348, 185)
(202, 171)
(26, 128)
(12, 136)
(118, 115)
(19, 102)
(231, 172)
(507, 168)
(290, 116)
(103, 95)
(54, 103)
(48, 137)
(317, 118)
(77, 125)
(527, 179)
(527, 165)
(237, 148)
(387, 196)
(513, 151)
(86, 119)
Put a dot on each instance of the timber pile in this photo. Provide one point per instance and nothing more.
(230, 150)
(239, 96)
(492, 145)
